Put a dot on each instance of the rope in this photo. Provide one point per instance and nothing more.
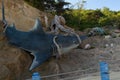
(46, 21)
(71, 72)
(78, 38)
(76, 77)
(65, 73)
(54, 75)
(58, 47)
(112, 60)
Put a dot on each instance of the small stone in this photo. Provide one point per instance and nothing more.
(106, 45)
(111, 44)
(87, 46)
(107, 37)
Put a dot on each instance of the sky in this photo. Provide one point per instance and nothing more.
(99, 4)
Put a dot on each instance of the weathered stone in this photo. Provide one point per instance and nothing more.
(13, 61)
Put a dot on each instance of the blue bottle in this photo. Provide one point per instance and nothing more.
(104, 71)
(36, 76)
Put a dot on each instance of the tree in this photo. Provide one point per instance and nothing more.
(49, 5)
(37, 3)
(60, 6)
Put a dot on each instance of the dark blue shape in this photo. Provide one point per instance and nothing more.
(104, 71)
(39, 43)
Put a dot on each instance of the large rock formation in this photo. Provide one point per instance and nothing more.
(14, 62)
(22, 14)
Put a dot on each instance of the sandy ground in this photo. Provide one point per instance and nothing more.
(113, 76)
(96, 76)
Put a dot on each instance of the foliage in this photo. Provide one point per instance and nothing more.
(59, 7)
(82, 19)
(49, 5)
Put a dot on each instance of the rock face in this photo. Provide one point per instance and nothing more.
(22, 14)
(13, 61)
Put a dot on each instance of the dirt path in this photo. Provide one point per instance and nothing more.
(113, 76)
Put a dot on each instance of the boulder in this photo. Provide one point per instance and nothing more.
(13, 61)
